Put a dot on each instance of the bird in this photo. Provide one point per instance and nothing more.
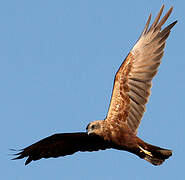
(131, 91)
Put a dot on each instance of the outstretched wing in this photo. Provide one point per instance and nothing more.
(132, 82)
(61, 145)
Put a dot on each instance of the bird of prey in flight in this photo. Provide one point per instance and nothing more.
(130, 94)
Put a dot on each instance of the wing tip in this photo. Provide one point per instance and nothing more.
(175, 22)
(28, 161)
(163, 20)
(20, 155)
(162, 7)
(156, 23)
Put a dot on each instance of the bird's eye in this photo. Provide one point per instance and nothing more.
(93, 126)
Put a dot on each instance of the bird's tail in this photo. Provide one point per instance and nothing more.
(153, 154)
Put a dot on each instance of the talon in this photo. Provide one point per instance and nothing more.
(145, 151)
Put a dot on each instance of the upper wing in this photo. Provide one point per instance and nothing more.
(62, 145)
(133, 80)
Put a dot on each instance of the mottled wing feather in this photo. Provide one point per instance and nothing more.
(133, 80)
(61, 145)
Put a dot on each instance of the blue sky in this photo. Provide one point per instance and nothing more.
(57, 64)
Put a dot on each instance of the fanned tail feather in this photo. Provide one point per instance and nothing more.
(159, 156)
(155, 155)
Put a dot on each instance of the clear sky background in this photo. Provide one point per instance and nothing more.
(57, 64)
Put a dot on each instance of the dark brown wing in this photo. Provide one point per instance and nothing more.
(133, 80)
(61, 145)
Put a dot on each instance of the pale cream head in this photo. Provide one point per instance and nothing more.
(95, 127)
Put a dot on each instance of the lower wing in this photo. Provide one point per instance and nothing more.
(61, 145)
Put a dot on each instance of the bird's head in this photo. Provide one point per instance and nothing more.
(94, 127)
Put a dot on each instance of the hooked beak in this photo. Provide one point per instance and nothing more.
(89, 131)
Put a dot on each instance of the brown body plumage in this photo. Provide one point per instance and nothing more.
(130, 94)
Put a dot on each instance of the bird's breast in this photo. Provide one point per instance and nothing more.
(121, 136)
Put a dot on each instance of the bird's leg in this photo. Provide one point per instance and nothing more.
(145, 151)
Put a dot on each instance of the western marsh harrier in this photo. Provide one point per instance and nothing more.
(130, 94)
